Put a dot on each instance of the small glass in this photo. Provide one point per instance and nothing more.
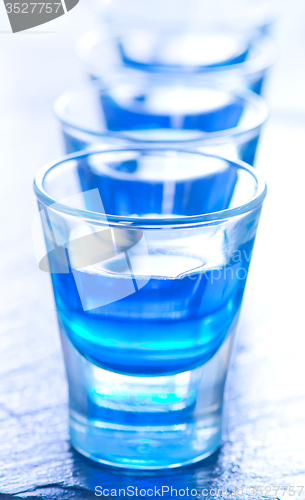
(149, 251)
(177, 113)
(231, 59)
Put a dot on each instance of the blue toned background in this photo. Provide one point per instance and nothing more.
(264, 436)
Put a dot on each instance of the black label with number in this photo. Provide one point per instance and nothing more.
(26, 15)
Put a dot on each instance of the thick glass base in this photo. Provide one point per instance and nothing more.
(147, 447)
(145, 422)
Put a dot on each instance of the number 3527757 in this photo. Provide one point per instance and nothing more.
(30, 8)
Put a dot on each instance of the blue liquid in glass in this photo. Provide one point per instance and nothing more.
(148, 194)
(169, 325)
(176, 115)
(188, 54)
(166, 108)
(182, 53)
(178, 316)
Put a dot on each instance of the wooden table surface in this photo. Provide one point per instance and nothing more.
(264, 435)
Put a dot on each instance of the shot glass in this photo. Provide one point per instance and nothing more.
(148, 251)
(176, 113)
(232, 59)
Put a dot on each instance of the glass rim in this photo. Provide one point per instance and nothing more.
(222, 215)
(262, 42)
(61, 103)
